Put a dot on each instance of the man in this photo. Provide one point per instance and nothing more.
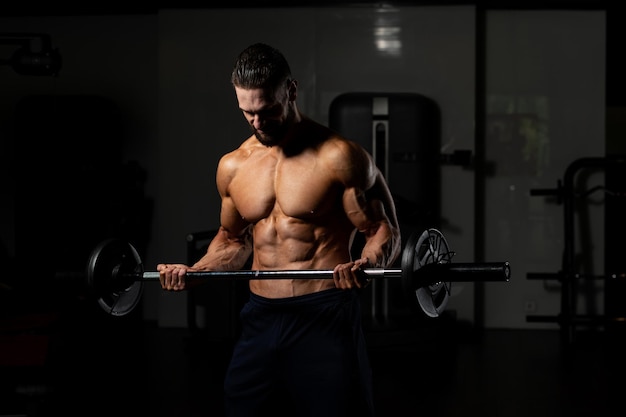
(293, 196)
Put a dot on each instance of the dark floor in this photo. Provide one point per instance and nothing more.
(434, 368)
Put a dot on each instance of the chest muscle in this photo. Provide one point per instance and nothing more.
(297, 188)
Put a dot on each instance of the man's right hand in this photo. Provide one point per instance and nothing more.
(172, 276)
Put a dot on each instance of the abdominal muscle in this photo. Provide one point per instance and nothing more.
(285, 243)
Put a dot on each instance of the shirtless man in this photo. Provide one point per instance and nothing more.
(293, 195)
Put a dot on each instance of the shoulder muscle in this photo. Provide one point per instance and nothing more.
(352, 165)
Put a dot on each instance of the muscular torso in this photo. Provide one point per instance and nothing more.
(295, 206)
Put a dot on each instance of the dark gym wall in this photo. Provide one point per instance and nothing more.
(76, 147)
(73, 187)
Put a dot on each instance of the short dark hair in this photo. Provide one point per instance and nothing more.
(260, 66)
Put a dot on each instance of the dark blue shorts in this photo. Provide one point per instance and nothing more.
(300, 356)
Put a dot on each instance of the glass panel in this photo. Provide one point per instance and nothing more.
(545, 108)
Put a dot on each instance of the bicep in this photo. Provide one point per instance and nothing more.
(231, 246)
(368, 207)
(230, 220)
(366, 197)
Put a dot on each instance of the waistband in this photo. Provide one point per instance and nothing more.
(316, 299)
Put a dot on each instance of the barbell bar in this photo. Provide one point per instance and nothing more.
(115, 273)
(431, 273)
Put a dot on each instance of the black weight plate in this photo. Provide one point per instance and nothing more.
(110, 264)
(426, 248)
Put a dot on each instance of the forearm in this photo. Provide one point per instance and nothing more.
(226, 252)
(382, 246)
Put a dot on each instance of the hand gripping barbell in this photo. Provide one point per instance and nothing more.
(115, 273)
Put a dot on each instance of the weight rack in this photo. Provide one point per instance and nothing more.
(615, 277)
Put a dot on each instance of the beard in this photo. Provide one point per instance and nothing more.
(268, 138)
(274, 131)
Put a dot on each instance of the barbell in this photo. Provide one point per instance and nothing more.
(115, 273)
